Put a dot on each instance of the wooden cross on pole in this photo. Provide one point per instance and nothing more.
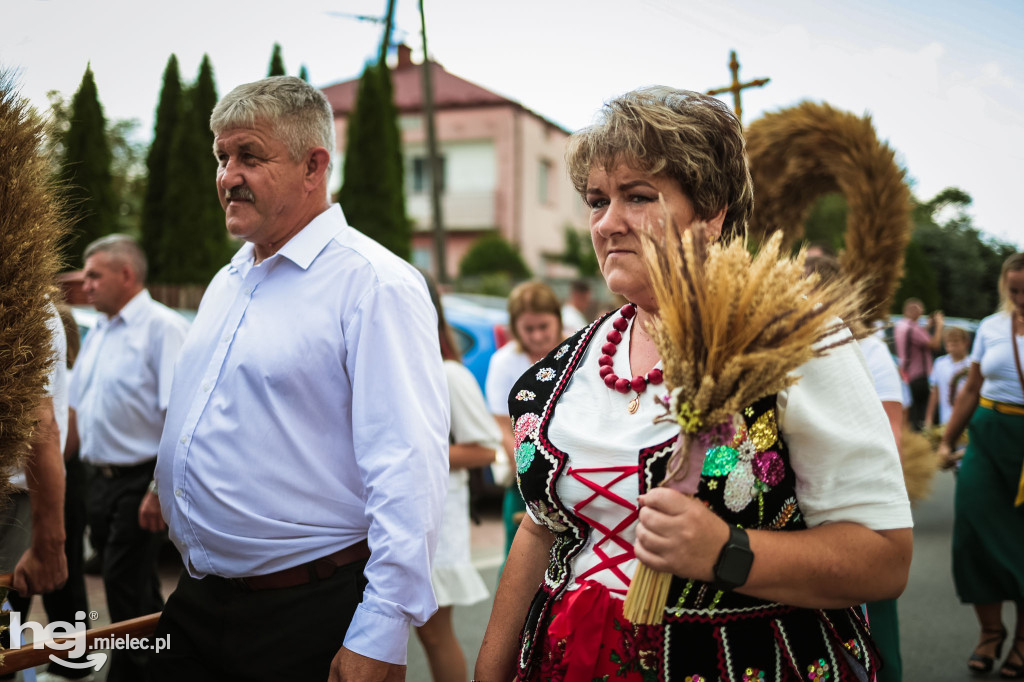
(736, 86)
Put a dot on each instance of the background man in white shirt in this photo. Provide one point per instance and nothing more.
(303, 466)
(576, 311)
(119, 391)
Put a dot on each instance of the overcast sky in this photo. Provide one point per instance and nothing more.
(942, 79)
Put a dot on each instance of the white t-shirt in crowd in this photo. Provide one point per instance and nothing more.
(507, 364)
(572, 319)
(993, 352)
(943, 370)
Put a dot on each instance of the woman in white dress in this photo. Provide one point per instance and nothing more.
(474, 439)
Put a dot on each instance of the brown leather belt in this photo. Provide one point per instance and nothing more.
(320, 569)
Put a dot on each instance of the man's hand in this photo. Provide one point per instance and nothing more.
(348, 666)
(150, 516)
(41, 569)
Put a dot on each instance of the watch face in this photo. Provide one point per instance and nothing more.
(735, 565)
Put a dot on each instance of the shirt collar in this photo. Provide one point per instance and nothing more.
(134, 308)
(306, 245)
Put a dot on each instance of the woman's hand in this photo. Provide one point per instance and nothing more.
(947, 458)
(678, 534)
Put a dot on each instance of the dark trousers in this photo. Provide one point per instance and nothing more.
(919, 391)
(129, 561)
(65, 602)
(220, 631)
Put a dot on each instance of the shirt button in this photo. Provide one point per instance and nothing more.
(184, 439)
(248, 291)
(179, 492)
(206, 387)
(227, 337)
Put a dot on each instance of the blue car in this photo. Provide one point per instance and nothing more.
(480, 325)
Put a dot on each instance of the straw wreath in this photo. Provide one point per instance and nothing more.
(31, 225)
(731, 329)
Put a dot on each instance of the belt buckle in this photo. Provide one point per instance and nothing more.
(106, 471)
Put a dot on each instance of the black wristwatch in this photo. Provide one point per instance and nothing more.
(734, 561)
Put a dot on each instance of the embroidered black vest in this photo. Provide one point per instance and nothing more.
(748, 481)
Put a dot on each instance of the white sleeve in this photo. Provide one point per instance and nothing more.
(401, 426)
(471, 420)
(841, 445)
(883, 370)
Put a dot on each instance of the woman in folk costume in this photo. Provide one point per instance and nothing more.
(988, 554)
(779, 514)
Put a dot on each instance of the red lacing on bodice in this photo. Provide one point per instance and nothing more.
(610, 536)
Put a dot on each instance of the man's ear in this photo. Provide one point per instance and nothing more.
(317, 162)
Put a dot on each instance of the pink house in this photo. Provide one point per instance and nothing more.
(503, 166)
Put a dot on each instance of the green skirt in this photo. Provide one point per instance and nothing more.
(988, 531)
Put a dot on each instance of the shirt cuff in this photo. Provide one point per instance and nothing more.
(377, 636)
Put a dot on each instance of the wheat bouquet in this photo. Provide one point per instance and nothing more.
(731, 329)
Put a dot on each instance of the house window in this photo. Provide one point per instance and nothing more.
(544, 181)
(421, 174)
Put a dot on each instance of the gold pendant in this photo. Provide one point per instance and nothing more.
(634, 404)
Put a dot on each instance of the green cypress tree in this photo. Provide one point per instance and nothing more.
(195, 243)
(156, 213)
(372, 194)
(276, 63)
(86, 170)
(303, 73)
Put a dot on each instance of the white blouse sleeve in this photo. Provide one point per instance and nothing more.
(471, 420)
(841, 445)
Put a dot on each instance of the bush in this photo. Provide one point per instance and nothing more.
(492, 254)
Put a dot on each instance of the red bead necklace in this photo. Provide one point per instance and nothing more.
(612, 380)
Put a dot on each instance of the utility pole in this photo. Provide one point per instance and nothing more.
(736, 87)
(386, 40)
(434, 158)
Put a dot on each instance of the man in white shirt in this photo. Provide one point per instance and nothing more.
(303, 466)
(119, 391)
(576, 310)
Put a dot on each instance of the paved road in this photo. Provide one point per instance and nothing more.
(937, 631)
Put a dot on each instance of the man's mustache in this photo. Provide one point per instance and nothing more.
(240, 193)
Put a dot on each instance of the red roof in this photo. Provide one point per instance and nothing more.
(450, 91)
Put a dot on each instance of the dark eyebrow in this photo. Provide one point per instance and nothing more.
(635, 183)
(623, 187)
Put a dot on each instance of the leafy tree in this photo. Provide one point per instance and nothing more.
(194, 244)
(826, 221)
(493, 254)
(373, 193)
(303, 73)
(579, 253)
(276, 62)
(965, 264)
(86, 170)
(157, 213)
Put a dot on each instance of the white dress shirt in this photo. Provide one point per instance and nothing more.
(122, 381)
(310, 412)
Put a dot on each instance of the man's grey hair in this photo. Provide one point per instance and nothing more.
(124, 249)
(300, 114)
